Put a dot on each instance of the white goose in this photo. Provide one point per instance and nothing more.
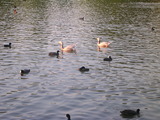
(102, 44)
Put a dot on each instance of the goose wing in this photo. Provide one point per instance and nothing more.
(70, 46)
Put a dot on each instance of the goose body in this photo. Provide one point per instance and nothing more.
(7, 45)
(68, 116)
(69, 48)
(53, 54)
(130, 112)
(109, 58)
(102, 44)
(83, 69)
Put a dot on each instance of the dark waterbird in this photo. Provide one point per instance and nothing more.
(7, 45)
(54, 54)
(129, 113)
(68, 116)
(82, 18)
(83, 69)
(109, 58)
(153, 28)
(25, 71)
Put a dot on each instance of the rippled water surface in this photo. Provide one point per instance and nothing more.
(54, 86)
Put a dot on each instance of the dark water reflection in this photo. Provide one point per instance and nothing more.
(54, 86)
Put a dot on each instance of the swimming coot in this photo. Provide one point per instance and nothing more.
(109, 58)
(25, 71)
(53, 54)
(7, 45)
(83, 69)
(130, 113)
(68, 116)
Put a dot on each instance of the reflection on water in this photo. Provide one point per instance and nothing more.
(55, 86)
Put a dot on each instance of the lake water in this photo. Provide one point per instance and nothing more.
(55, 87)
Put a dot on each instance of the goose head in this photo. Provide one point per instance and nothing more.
(98, 39)
(60, 42)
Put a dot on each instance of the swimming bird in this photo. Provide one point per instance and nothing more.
(53, 54)
(102, 44)
(82, 18)
(15, 11)
(7, 45)
(24, 71)
(83, 69)
(69, 48)
(153, 28)
(68, 116)
(130, 113)
(109, 58)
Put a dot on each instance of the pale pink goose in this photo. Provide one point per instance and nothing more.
(69, 48)
(102, 44)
